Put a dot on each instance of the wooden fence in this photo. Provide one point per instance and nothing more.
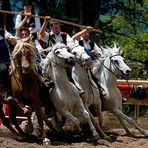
(132, 101)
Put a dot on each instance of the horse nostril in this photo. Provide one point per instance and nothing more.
(86, 60)
(72, 58)
(127, 71)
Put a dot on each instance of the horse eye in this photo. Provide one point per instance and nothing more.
(57, 52)
(116, 62)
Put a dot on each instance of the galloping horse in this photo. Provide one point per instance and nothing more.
(64, 95)
(82, 76)
(25, 83)
(107, 71)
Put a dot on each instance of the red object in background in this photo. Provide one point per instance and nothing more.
(0, 121)
(6, 111)
(126, 89)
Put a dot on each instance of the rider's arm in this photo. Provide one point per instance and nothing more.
(79, 34)
(37, 25)
(20, 25)
(41, 33)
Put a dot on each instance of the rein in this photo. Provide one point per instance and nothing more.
(107, 68)
(115, 66)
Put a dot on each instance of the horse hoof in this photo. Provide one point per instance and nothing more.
(95, 138)
(46, 142)
(110, 138)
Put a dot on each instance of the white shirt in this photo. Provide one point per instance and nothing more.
(87, 46)
(57, 38)
(37, 23)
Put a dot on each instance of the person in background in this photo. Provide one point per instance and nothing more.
(4, 63)
(23, 32)
(90, 46)
(91, 49)
(55, 35)
(32, 23)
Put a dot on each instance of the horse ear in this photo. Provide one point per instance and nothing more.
(120, 51)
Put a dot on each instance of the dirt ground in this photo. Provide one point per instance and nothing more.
(112, 128)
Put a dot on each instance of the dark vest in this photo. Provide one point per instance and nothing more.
(88, 51)
(51, 39)
(91, 43)
(30, 23)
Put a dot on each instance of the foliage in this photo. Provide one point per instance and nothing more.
(126, 23)
(122, 21)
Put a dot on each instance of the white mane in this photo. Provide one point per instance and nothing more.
(109, 51)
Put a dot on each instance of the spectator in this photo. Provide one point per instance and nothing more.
(55, 35)
(33, 24)
(90, 46)
(5, 62)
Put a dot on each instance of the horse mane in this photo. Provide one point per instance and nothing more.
(24, 44)
(58, 45)
(109, 51)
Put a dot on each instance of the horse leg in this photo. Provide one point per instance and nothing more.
(40, 116)
(97, 124)
(68, 115)
(12, 117)
(86, 116)
(120, 114)
(6, 123)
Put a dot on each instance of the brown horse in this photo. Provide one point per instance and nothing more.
(25, 84)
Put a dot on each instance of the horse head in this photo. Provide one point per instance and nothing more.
(116, 62)
(81, 55)
(23, 56)
(62, 56)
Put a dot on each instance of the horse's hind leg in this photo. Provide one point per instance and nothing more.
(120, 114)
(12, 117)
(6, 123)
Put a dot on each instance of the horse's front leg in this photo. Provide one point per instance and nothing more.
(40, 116)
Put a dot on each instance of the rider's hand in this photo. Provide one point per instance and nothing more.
(47, 18)
(89, 29)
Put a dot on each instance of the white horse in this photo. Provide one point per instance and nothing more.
(107, 72)
(64, 95)
(81, 76)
